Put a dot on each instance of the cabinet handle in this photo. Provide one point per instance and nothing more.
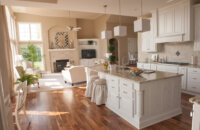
(194, 78)
(112, 80)
(124, 92)
(191, 114)
(125, 84)
(113, 87)
(194, 87)
(194, 71)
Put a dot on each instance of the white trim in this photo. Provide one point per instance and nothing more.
(53, 50)
(41, 40)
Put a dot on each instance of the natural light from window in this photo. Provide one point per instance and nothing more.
(30, 32)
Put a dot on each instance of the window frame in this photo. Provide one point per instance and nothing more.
(41, 40)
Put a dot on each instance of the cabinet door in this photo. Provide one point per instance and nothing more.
(179, 19)
(126, 107)
(146, 38)
(166, 22)
(112, 101)
(196, 119)
(197, 29)
(183, 70)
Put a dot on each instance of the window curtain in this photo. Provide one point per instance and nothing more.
(6, 61)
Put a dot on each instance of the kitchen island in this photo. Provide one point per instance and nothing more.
(141, 100)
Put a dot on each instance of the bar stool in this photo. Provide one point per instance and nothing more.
(99, 93)
(89, 88)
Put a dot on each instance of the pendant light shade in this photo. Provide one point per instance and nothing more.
(141, 25)
(106, 34)
(120, 31)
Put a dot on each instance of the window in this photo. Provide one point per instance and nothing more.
(30, 32)
(39, 61)
(11, 25)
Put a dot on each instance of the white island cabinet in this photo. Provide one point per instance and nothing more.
(142, 100)
(195, 113)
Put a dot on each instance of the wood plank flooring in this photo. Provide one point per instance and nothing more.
(69, 110)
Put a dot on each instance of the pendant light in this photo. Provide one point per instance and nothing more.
(120, 30)
(106, 34)
(141, 25)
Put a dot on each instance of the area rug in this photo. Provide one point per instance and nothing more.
(51, 82)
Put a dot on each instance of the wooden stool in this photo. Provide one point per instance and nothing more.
(99, 93)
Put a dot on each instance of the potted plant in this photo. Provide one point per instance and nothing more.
(29, 78)
(112, 58)
(90, 42)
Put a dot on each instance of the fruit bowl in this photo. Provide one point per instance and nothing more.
(136, 72)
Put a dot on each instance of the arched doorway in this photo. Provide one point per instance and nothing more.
(114, 42)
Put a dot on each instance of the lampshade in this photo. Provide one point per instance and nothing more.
(106, 34)
(142, 25)
(120, 31)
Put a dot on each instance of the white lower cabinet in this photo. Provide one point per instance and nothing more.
(196, 117)
(167, 68)
(183, 70)
(120, 96)
(193, 79)
(190, 79)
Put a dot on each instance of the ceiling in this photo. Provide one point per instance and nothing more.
(54, 12)
(128, 7)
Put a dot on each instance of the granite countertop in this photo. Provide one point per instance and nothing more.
(190, 65)
(195, 100)
(157, 75)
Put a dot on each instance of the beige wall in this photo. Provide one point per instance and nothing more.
(87, 28)
(122, 41)
(100, 25)
(169, 50)
(109, 22)
(47, 23)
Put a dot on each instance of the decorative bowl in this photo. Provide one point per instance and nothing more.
(136, 72)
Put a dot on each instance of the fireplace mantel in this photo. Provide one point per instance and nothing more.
(68, 49)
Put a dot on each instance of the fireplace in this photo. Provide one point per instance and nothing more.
(59, 65)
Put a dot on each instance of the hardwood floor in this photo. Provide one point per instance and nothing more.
(69, 110)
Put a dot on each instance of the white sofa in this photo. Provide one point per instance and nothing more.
(75, 74)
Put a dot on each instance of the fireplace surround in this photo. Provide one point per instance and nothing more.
(59, 65)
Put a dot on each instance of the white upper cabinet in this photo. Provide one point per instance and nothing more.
(173, 23)
(197, 27)
(148, 41)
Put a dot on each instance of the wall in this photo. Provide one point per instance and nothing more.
(87, 29)
(122, 41)
(109, 22)
(47, 23)
(169, 50)
(100, 25)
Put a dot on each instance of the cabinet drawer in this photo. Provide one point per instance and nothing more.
(153, 67)
(140, 65)
(147, 66)
(113, 84)
(126, 89)
(194, 86)
(167, 68)
(194, 70)
(193, 77)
